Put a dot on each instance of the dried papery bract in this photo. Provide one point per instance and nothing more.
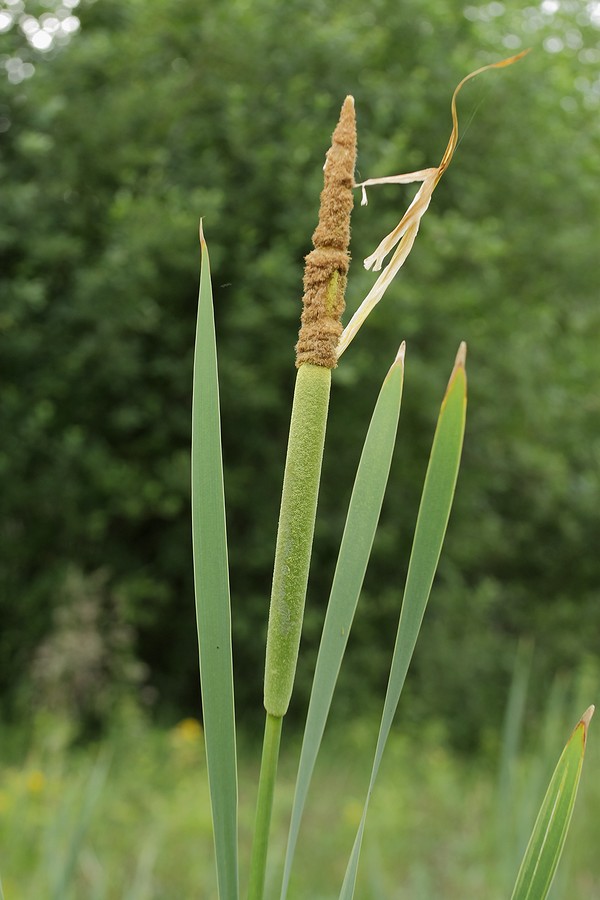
(406, 231)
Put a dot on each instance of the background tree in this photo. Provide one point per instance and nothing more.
(159, 113)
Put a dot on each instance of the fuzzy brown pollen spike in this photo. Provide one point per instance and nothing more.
(327, 265)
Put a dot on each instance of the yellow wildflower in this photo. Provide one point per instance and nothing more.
(188, 731)
(35, 781)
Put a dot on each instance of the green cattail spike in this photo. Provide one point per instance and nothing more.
(323, 305)
(295, 533)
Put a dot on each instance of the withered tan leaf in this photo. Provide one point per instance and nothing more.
(404, 234)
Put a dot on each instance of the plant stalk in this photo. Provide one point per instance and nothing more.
(323, 303)
(264, 806)
(316, 355)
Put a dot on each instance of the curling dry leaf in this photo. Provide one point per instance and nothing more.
(406, 231)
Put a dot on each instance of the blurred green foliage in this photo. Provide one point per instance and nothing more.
(158, 113)
(128, 818)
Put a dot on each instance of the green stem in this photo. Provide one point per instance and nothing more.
(264, 806)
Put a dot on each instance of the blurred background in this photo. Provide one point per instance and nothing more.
(122, 122)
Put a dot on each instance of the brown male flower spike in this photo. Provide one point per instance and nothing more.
(327, 265)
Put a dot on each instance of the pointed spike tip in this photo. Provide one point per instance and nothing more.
(461, 356)
(401, 353)
(345, 130)
(398, 360)
(201, 234)
(587, 716)
(515, 58)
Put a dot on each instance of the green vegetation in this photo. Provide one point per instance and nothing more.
(149, 833)
(158, 113)
(322, 340)
(102, 160)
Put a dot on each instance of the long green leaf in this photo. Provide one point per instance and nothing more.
(434, 512)
(211, 578)
(65, 866)
(355, 549)
(550, 830)
(514, 720)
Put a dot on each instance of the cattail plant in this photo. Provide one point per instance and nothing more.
(316, 355)
(322, 340)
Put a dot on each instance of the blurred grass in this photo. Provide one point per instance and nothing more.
(433, 832)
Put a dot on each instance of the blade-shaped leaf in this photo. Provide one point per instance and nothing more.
(64, 865)
(434, 512)
(211, 578)
(550, 830)
(355, 549)
(507, 788)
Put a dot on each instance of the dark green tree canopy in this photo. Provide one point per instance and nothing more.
(157, 113)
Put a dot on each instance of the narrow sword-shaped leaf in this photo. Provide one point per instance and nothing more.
(64, 865)
(507, 789)
(434, 512)
(550, 830)
(355, 549)
(211, 579)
